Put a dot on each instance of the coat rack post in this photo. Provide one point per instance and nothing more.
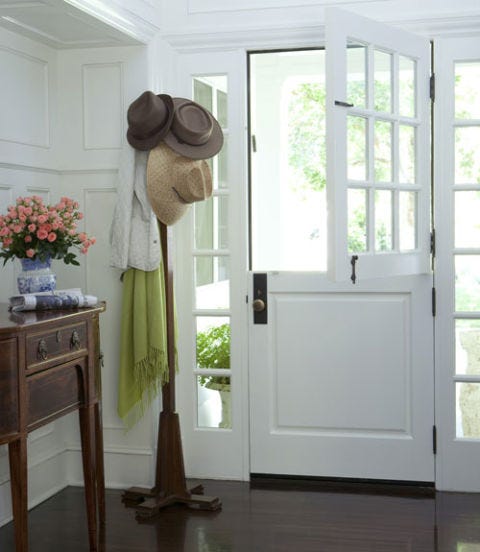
(170, 485)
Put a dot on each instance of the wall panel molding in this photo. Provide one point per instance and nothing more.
(103, 101)
(25, 108)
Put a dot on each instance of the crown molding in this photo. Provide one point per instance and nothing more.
(115, 16)
(300, 34)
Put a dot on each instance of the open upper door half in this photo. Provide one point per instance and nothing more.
(378, 155)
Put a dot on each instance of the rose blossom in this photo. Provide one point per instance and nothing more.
(30, 253)
(52, 237)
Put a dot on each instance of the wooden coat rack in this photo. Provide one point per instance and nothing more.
(170, 485)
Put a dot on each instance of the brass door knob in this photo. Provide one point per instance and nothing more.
(258, 305)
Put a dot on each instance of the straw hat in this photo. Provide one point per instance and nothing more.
(174, 182)
(149, 119)
(194, 132)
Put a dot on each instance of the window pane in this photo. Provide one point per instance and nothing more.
(383, 151)
(408, 220)
(211, 230)
(383, 220)
(467, 160)
(383, 81)
(467, 90)
(203, 215)
(467, 219)
(214, 402)
(467, 283)
(357, 220)
(212, 285)
(406, 87)
(213, 342)
(467, 347)
(221, 180)
(222, 108)
(203, 94)
(356, 74)
(406, 154)
(468, 410)
(356, 148)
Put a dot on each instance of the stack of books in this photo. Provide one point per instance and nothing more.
(58, 299)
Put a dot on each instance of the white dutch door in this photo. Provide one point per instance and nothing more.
(341, 358)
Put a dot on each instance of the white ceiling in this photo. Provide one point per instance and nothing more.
(61, 25)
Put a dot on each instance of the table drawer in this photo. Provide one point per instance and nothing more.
(49, 345)
(53, 391)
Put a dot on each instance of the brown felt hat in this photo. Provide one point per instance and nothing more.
(149, 119)
(174, 182)
(194, 133)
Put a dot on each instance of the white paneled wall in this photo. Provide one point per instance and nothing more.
(62, 128)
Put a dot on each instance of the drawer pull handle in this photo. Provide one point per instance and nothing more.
(75, 340)
(42, 350)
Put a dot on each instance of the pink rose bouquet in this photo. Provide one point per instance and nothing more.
(32, 230)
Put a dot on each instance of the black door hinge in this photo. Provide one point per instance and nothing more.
(434, 439)
(434, 301)
(254, 143)
(432, 242)
(432, 87)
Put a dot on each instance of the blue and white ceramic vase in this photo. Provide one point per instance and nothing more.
(36, 276)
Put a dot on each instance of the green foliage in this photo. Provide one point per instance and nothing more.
(306, 135)
(213, 351)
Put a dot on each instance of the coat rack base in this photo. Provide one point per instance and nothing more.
(148, 502)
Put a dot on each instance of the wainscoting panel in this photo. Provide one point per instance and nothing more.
(103, 102)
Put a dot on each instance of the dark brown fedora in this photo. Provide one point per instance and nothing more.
(149, 119)
(194, 133)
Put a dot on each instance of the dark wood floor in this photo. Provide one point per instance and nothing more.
(266, 520)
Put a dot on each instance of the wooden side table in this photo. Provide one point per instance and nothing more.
(50, 366)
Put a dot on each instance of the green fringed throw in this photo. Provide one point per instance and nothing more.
(143, 346)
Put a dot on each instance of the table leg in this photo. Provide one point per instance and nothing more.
(17, 451)
(87, 431)
(100, 463)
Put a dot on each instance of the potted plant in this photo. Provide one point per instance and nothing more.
(213, 351)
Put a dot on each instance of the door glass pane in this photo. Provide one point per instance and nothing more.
(357, 74)
(212, 282)
(383, 81)
(356, 148)
(467, 90)
(383, 220)
(383, 151)
(406, 86)
(408, 220)
(467, 160)
(468, 410)
(406, 154)
(467, 219)
(467, 283)
(357, 221)
(288, 198)
(214, 408)
(467, 347)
